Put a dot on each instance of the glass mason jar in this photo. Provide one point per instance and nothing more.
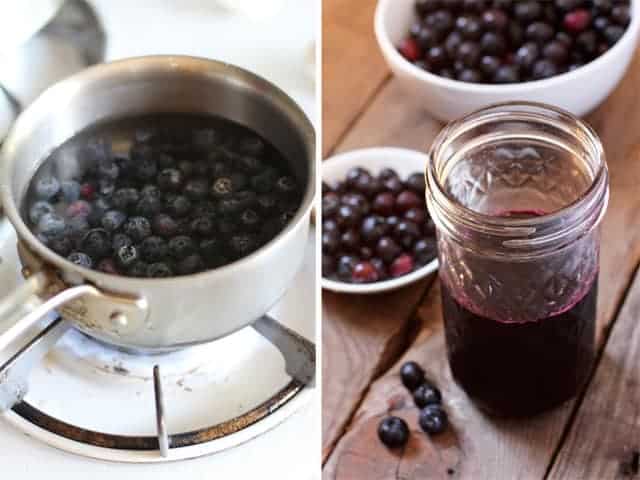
(517, 192)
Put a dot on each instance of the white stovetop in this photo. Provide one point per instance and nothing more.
(276, 48)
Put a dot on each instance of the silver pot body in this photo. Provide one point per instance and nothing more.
(160, 314)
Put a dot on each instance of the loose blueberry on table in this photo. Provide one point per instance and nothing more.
(375, 227)
(393, 431)
(510, 41)
(185, 194)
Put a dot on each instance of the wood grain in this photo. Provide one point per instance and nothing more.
(483, 447)
(353, 64)
(477, 447)
(605, 435)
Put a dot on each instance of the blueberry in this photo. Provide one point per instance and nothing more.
(153, 249)
(251, 145)
(46, 188)
(373, 227)
(286, 185)
(388, 249)
(113, 220)
(227, 227)
(393, 432)
(125, 199)
(78, 227)
(249, 220)
(108, 169)
(148, 206)
(412, 375)
(170, 179)
(80, 259)
(229, 206)
(159, 270)
(61, 245)
(126, 256)
(186, 167)
(266, 203)
(150, 191)
(205, 208)
(189, 265)
(242, 245)
(120, 240)
(165, 226)
(165, 162)
(416, 183)
(138, 269)
(249, 164)
(38, 210)
(426, 394)
(345, 266)
(138, 228)
(425, 250)
(70, 190)
(51, 225)
(179, 206)
(203, 226)
(196, 189)
(99, 207)
(107, 265)
(222, 187)
(106, 187)
(181, 247)
(96, 243)
(245, 199)
(433, 419)
(145, 168)
(265, 181)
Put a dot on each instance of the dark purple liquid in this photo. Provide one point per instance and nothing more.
(517, 369)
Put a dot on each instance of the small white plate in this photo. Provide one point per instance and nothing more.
(403, 161)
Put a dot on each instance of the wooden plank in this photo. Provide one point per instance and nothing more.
(361, 334)
(482, 447)
(604, 441)
(477, 447)
(353, 68)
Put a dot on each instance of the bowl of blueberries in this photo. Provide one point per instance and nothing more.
(377, 234)
(457, 56)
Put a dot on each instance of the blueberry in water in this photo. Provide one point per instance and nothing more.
(426, 394)
(96, 243)
(153, 249)
(249, 220)
(165, 161)
(393, 432)
(113, 220)
(249, 164)
(185, 167)
(266, 203)
(203, 226)
(245, 199)
(433, 419)
(251, 145)
(265, 181)
(242, 245)
(70, 190)
(125, 199)
(205, 208)
(46, 188)
(120, 240)
(126, 256)
(159, 270)
(170, 179)
(38, 210)
(226, 227)
(51, 225)
(148, 206)
(138, 269)
(196, 188)
(412, 375)
(181, 247)
(222, 187)
(137, 228)
(80, 259)
(179, 206)
(286, 185)
(150, 191)
(191, 264)
(61, 245)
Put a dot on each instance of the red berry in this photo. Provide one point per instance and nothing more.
(364, 272)
(87, 191)
(79, 208)
(401, 265)
(407, 200)
(410, 50)
(384, 204)
(577, 20)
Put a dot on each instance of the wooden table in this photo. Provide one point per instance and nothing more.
(365, 339)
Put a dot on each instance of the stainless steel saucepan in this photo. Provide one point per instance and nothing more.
(155, 315)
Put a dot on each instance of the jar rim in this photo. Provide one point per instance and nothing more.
(538, 234)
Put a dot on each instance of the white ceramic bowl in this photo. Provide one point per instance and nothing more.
(403, 161)
(579, 91)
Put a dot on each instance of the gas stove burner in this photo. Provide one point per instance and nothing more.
(299, 358)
